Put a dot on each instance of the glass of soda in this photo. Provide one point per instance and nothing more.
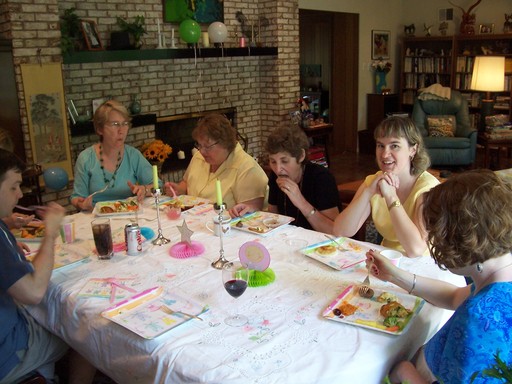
(103, 238)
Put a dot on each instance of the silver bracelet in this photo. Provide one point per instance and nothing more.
(413, 284)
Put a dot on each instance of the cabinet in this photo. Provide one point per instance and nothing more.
(448, 60)
(378, 106)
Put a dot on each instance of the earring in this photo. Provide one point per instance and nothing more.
(479, 267)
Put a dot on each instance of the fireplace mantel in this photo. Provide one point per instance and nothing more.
(163, 54)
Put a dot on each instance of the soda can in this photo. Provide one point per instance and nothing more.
(133, 239)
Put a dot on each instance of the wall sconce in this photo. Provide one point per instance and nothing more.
(488, 76)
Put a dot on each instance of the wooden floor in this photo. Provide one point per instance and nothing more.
(348, 166)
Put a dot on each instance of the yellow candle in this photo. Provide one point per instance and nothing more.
(155, 177)
(219, 192)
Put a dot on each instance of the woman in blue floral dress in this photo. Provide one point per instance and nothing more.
(469, 224)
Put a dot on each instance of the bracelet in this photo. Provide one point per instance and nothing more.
(413, 284)
(394, 204)
(311, 213)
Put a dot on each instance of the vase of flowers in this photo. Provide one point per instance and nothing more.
(156, 152)
(381, 69)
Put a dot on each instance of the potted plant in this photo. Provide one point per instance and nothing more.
(136, 29)
(71, 35)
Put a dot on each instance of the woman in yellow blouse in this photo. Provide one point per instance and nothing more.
(393, 196)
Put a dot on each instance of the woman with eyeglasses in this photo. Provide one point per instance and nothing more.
(221, 157)
(110, 163)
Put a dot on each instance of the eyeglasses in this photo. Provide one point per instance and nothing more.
(119, 124)
(205, 148)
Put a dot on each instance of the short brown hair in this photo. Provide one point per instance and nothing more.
(468, 218)
(218, 128)
(289, 139)
(9, 161)
(101, 115)
(397, 126)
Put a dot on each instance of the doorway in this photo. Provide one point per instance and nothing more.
(329, 52)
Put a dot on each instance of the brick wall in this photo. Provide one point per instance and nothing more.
(263, 89)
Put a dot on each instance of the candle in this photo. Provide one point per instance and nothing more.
(158, 27)
(181, 155)
(155, 177)
(219, 192)
(206, 39)
(172, 34)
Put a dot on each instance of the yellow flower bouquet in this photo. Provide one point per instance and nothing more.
(156, 151)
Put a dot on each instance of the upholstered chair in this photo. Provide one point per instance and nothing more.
(445, 124)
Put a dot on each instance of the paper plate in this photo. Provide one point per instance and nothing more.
(254, 255)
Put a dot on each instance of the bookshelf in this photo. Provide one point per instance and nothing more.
(448, 60)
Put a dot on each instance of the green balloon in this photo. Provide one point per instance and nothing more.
(190, 31)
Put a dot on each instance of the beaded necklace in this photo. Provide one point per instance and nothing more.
(118, 163)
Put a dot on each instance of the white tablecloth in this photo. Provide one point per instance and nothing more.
(286, 339)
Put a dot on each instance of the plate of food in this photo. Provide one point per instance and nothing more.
(260, 223)
(186, 202)
(117, 207)
(33, 231)
(386, 311)
(340, 254)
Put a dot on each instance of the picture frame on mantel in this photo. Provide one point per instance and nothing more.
(91, 35)
(380, 44)
(205, 12)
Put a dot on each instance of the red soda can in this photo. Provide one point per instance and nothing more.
(133, 239)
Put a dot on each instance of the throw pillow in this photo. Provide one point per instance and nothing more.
(441, 125)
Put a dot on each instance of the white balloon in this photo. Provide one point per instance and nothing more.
(217, 32)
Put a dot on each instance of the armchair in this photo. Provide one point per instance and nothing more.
(459, 150)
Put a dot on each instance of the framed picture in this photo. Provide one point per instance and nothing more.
(380, 44)
(175, 11)
(91, 36)
(486, 29)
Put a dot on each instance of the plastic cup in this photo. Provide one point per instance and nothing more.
(173, 213)
(67, 230)
(103, 238)
(392, 255)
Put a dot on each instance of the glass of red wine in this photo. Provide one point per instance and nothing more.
(235, 277)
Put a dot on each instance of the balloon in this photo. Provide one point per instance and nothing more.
(190, 31)
(55, 178)
(217, 32)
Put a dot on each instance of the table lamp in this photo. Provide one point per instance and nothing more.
(488, 76)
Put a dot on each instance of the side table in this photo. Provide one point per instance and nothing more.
(321, 132)
(489, 143)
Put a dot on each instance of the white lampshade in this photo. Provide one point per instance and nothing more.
(488, 74)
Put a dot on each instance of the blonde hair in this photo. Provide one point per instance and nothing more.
(101, 115)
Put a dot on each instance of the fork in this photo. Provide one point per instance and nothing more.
(338, 245)
(170, 311)
(364, 288)
(31, 208)
(101, 190)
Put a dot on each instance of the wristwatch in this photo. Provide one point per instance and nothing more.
(394, 204)
(311, 213)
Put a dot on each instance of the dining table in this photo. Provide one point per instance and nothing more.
(286, 338)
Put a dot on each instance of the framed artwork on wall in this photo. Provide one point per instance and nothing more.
(380, 44)
(202, 11)
(91, 36)
(47, 120)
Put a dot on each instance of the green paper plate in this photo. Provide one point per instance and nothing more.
(261, 278)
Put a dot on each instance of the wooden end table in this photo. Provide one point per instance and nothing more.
(489, 143)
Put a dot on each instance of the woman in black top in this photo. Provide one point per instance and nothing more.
(298, 188)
